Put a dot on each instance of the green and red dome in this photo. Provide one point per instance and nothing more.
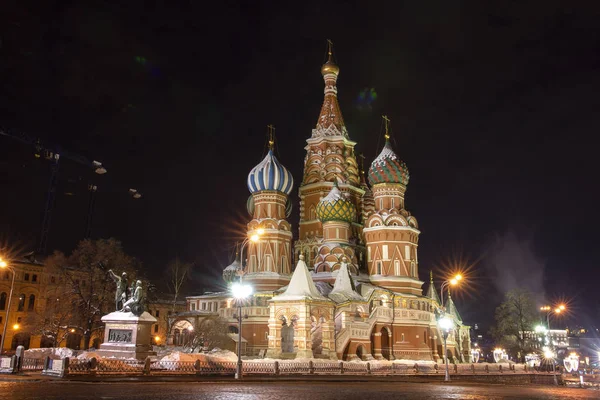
(388, 168)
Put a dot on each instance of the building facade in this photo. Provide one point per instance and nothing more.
(355, 290)
(41, 313)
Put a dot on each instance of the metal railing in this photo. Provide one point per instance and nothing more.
(317, 367)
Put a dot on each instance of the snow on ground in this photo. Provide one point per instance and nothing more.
(213, 355)
(88, 355)
(52, 352)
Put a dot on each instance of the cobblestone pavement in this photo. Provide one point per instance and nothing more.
(280, 390)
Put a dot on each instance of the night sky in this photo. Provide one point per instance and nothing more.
(494, 108)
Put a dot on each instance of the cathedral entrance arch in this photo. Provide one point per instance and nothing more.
(360, 351)
(385, 343)
(183, 332)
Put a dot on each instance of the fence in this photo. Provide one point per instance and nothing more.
(94, 367)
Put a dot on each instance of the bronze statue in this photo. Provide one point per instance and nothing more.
(134, 304)
(121, 293)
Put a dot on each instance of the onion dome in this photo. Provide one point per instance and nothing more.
(269, 174)
(388, 168)
(335, 207)
(232, 270)
(329, 67)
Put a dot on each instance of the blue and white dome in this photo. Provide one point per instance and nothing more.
(269, 174)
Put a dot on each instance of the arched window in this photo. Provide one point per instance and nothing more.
(21, 302)
(31, 302)
(3, 301)
(378, 272)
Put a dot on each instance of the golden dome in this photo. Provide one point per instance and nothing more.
(330, 68)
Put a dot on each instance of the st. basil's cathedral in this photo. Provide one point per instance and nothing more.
(348, 287)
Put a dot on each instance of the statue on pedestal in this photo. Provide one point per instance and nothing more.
(134, 304)
(121, 293)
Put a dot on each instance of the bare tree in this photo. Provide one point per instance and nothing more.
(515, 316)
(87, 286)
(177, 274)
(52, 319)
(211, 333)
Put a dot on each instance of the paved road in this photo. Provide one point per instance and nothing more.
(284, 390)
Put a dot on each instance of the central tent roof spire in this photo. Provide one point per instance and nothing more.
(330, 122)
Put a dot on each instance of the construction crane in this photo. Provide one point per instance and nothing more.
(54, 154)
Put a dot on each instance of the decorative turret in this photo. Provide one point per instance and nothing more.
(336, 212)
(336, 207)
(387, 167)
(391, 232)
(269, 260)
(431, 292)
(301, 285)
(234, 269)
(344, 288)
(330, 159)
(330, 122)
(269, 174)
(451, 308)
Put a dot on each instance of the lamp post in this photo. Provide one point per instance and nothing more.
(240, 292)
(549, 354)
(453, 282)
(446, 324)
(254, 238)
(4, 265)
(549, 310)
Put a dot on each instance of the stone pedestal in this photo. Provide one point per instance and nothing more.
(127, 335)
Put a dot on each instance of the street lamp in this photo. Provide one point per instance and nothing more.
(254, 238)
(549, 310)
(4, 265)
(549, 355)
(453, 282)
(240, 292)
(446, 324)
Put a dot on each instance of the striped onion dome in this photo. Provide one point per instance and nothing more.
(269, 174)
(335, 207)
(388, 168)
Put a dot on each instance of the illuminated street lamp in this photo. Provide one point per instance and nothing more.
(446, 324)
(549, 355)
(240, 292)
(550, 310)
(254, 239)
(452, 282)
(4, 265)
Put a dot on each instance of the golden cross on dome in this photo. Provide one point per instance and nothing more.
(387, 126)
(329, 48)
(271, 136)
